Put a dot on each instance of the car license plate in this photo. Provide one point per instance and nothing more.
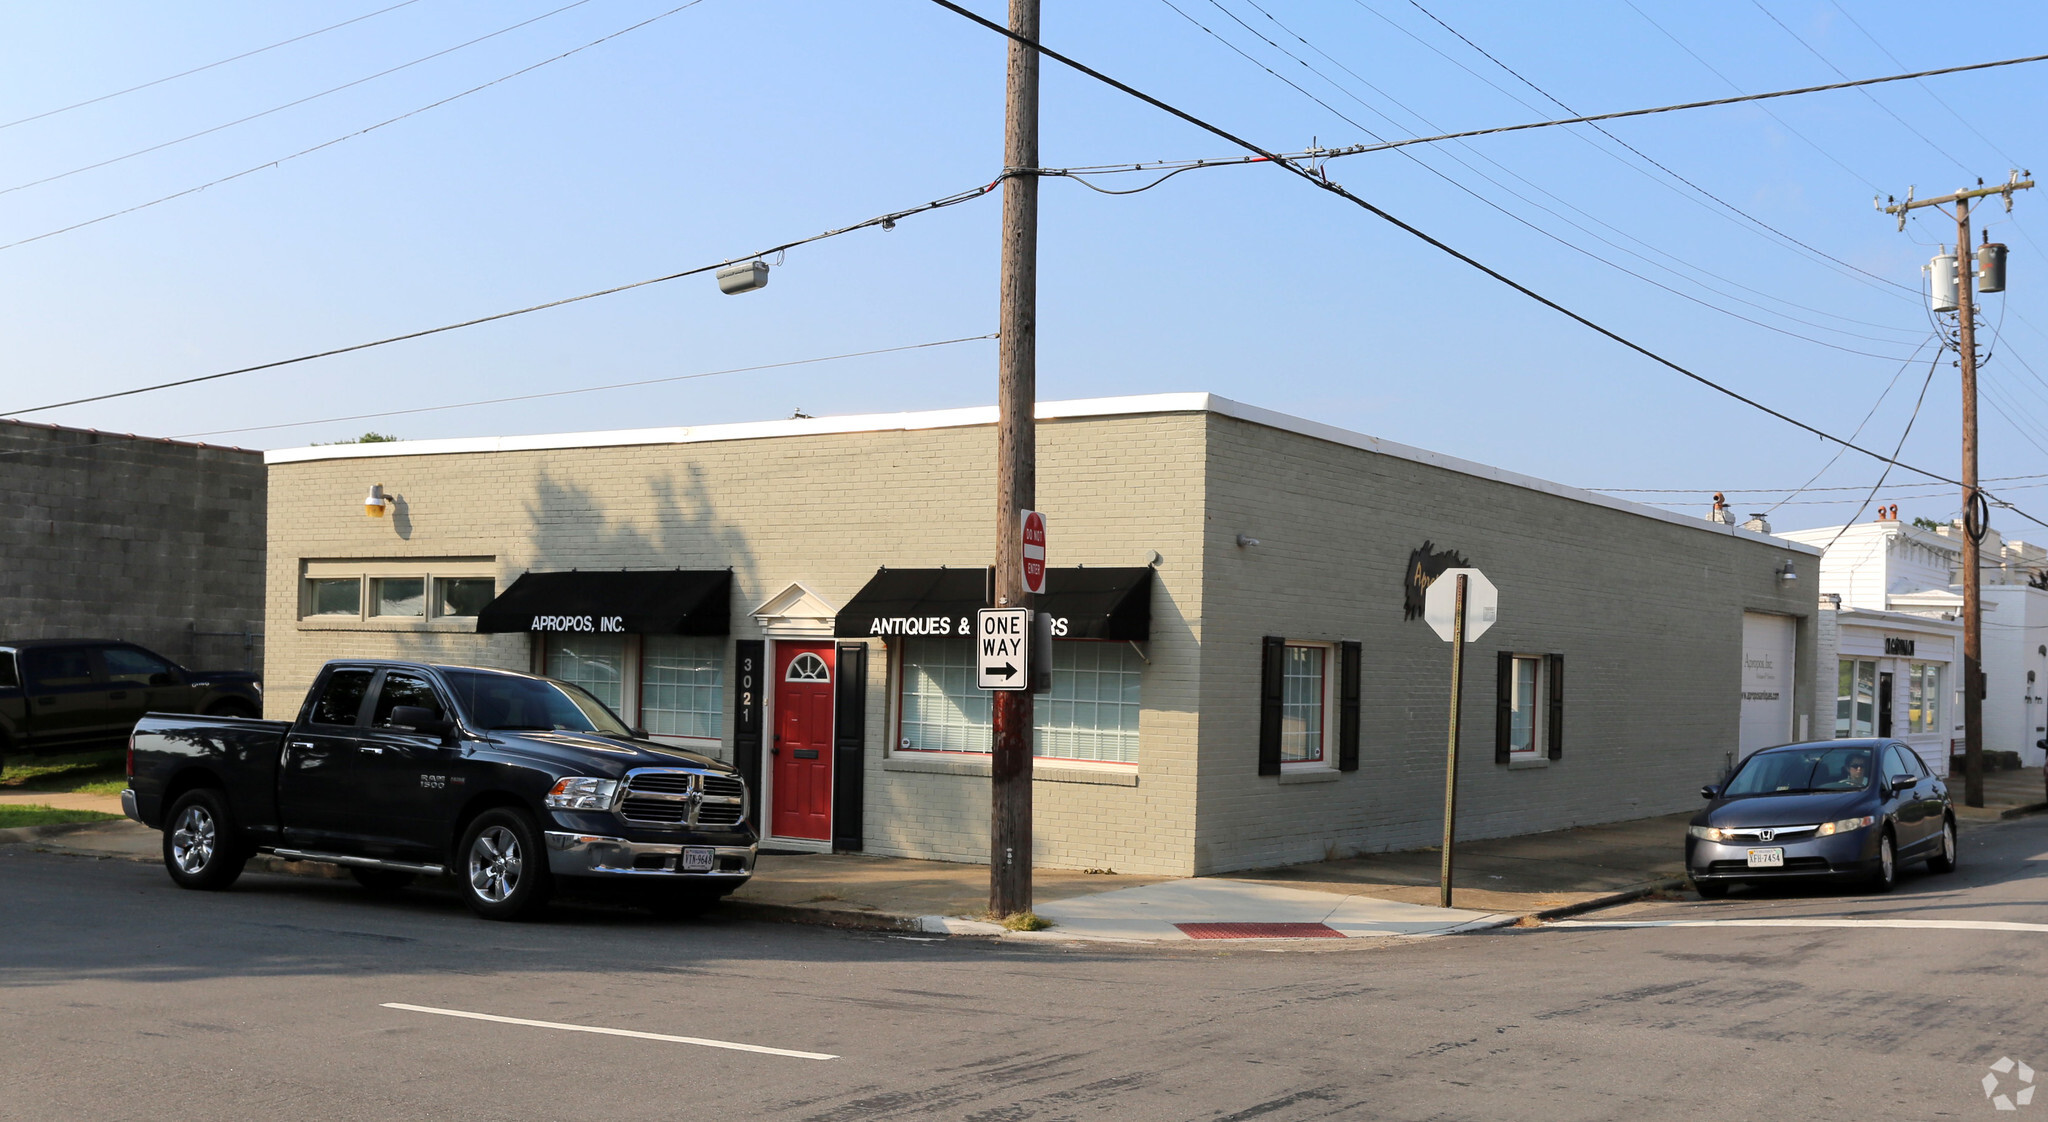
(1766, 858)
(697, 859)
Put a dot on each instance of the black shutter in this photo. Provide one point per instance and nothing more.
(849, 739)
(1555, 715)
(1503, 705)
(751, 677)
(1349, 656)
(1272, 679)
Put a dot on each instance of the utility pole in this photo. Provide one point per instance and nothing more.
(1009, 865)
(1976, 511)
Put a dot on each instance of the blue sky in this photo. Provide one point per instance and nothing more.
(741, 123)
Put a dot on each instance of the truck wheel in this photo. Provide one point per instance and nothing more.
(503, 866)
(202, 846)
(383, 882)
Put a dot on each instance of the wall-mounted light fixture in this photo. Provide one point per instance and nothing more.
(376, 502)
(1787, 573)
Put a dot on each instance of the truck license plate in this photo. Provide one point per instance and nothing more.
(1767, 858)
(697, 859)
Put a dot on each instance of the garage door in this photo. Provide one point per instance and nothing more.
(1767, 645)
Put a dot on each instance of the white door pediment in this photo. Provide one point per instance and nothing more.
(797, 611)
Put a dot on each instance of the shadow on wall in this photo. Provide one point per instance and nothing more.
(674, 523)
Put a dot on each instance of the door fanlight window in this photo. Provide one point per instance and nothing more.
(807, 667)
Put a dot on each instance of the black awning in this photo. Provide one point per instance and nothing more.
(1084, 603)
(678, 602)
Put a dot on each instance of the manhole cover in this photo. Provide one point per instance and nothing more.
(1259, 931)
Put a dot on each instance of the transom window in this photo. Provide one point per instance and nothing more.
(1091, 712)
(807, 667)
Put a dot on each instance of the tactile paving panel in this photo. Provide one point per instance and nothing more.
(1259, 931)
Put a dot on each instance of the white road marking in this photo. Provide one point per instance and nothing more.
(613, 1032)
(1907, 924)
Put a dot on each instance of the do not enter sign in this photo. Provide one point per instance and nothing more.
(1034, 552)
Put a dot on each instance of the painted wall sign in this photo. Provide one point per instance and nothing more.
(1424, 566)
(1898, 646)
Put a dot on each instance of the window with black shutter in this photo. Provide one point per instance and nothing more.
(1272, 684)
(1349, 682)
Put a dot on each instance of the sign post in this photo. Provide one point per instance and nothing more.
(1461, 604)
(1002, 648)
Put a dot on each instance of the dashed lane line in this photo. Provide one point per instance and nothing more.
(1905, 924)
(697, 1040)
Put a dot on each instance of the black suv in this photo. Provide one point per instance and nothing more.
(59, 695)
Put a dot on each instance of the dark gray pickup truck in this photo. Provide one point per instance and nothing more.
(513, 783)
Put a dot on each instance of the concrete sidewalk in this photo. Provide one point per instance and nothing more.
(1497, 881)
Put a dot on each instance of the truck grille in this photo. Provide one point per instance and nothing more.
(683, 799)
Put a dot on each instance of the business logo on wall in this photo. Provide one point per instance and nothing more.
(1424, 566)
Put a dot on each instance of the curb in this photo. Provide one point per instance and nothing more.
(2021, 811)
(1625, 896)
(821, 917)
(37, 833)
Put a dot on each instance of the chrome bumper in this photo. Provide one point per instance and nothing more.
(128, 805)
(584, 855)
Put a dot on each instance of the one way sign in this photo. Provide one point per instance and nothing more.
(1002, 648)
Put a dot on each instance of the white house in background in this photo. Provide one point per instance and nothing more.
(1896, 637)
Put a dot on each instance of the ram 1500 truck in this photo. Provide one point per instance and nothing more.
(63, 695)
(513, 783)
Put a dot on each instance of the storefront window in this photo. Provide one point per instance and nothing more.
(682, 685)
(1091, 713)
(595, 662)
(1923, 683)
(1856, 698)
(1301, 705)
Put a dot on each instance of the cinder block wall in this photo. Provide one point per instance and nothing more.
(1647, 614)
(145, 539)
(827, 510)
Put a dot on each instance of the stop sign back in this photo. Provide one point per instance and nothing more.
(1034, 552)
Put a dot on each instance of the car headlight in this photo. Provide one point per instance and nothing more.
(1708, 833)
(583, 793)
(1844, 826)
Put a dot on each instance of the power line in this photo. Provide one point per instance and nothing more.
(1924, 87)
(1815, 51)
(199, 69)
(1836, 458)
(1483, 199)
(1932, 366)
(1340, 191)
(886, 221)
(346, 136)
(131, 439)
(286, 105)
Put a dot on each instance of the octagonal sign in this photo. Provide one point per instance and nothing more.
(1439, 603)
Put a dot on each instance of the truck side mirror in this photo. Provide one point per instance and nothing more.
(419, 718)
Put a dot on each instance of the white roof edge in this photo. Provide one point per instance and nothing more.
(1902, 620)
(986, 415)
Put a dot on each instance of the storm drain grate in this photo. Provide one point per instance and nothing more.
(1259, 931)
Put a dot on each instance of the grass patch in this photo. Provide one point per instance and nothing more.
(101, 772)
(24, 814)
(1025, 921)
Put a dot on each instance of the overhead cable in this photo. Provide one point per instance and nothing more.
(347, 136)
(199, 69)
(1323, 183)
(287, 105)
(884, 220)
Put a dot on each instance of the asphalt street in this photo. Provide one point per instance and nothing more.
(124, 997)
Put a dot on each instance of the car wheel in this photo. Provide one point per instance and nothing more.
(1887, 874)
(503, 867)
(202, 846)
(1710, 889)
(383, 882)
(1945, 861)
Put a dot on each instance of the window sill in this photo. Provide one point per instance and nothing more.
(1532, 761)
(1041, 770)
(1309, 775)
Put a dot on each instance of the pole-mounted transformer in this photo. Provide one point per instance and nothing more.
(1941, 289)
(1990, 266)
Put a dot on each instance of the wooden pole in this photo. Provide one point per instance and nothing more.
(1451, 754)
(1973, 529)
(1009, 880)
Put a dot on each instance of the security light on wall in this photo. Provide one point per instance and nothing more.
(1788, 573)
(375, 503)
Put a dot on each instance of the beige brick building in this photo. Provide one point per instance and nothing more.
(1237, 683)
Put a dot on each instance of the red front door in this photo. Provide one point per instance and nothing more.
(802, 752)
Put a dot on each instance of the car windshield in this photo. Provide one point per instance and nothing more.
(504, 701)
(1799, 770)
